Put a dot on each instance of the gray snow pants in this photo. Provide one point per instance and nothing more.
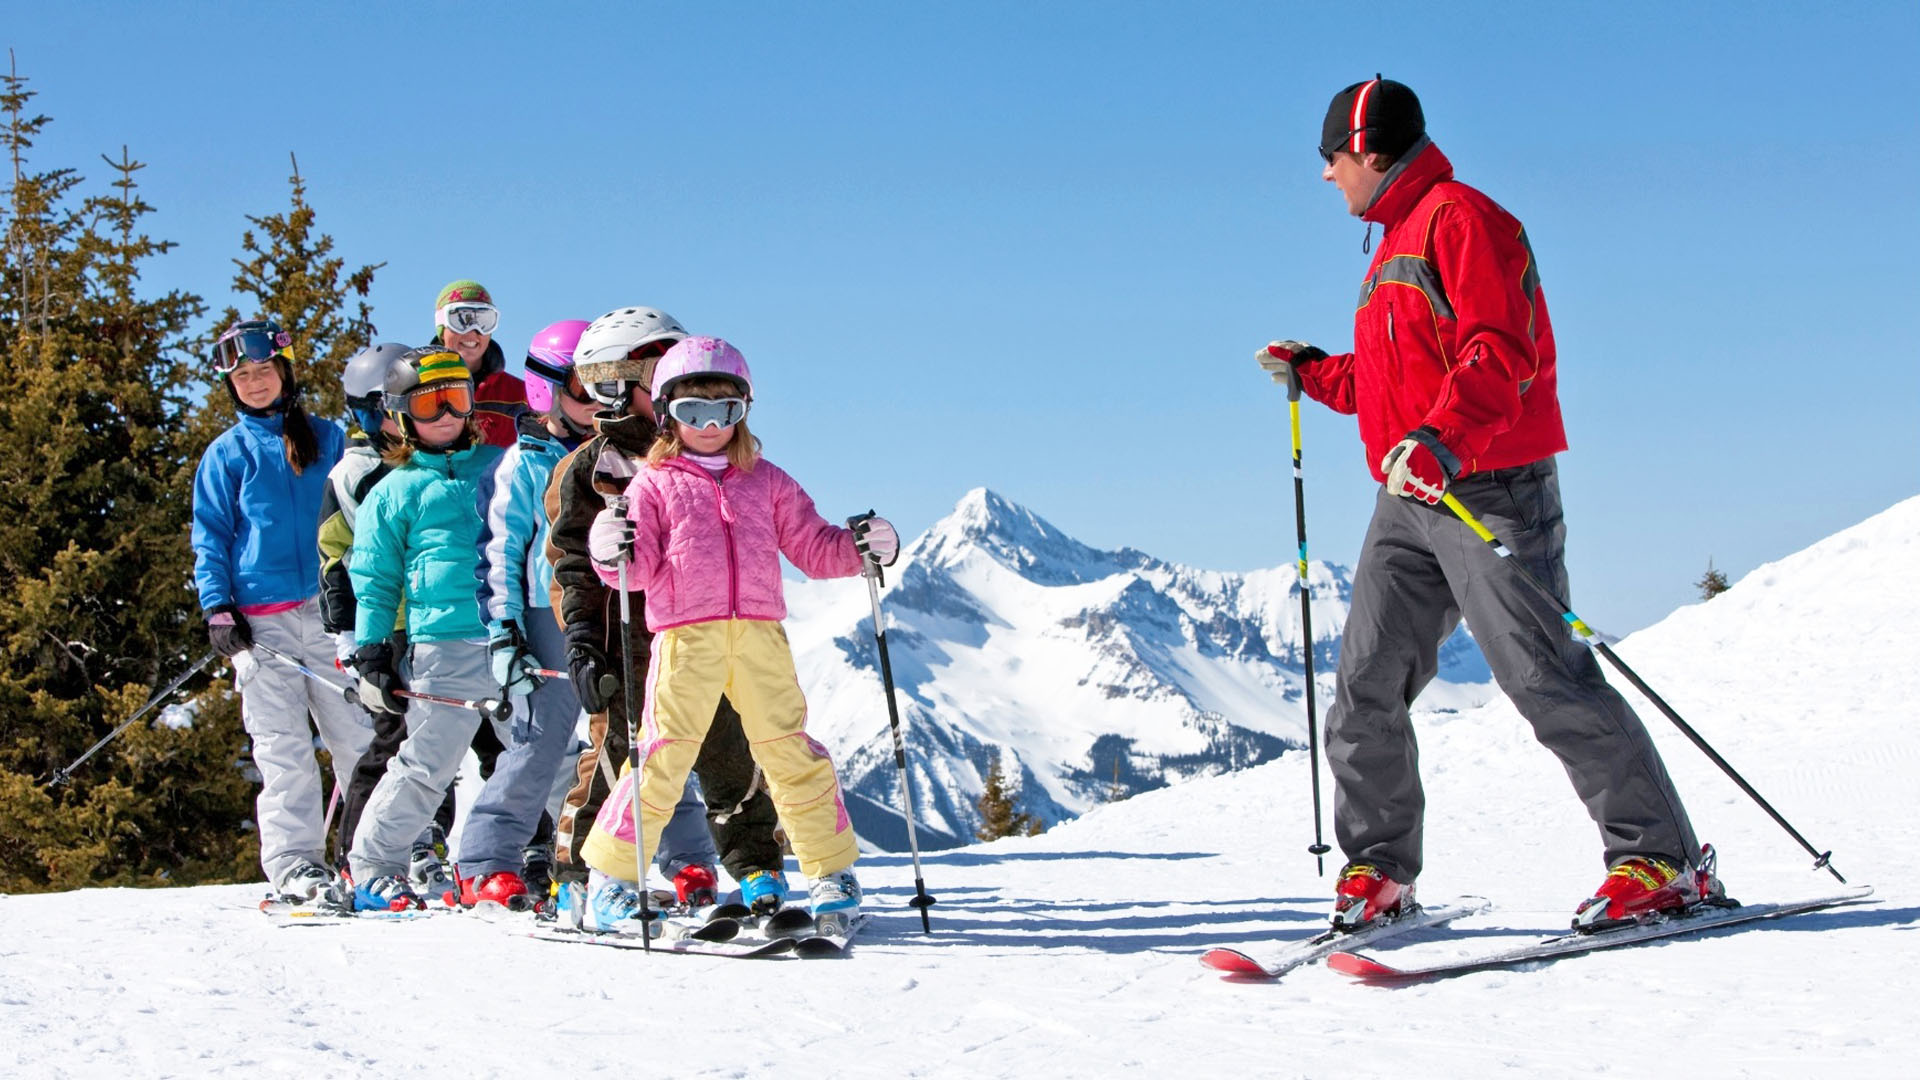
(502, 818)
(1421, 570)
(420, 772)
(274, 702)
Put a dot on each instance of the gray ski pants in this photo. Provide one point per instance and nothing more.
(419, 772)
(1421, 570)
(502, 818)
(274, 702)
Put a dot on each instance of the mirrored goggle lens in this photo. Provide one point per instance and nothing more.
(249, 347)
(611, 390)
(432, 402)
(699, 413)
(470, 318)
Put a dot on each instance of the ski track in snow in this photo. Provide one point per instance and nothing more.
(1074, 954)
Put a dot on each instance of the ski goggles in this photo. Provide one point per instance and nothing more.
(699, 412)
(468, 318)
(253, 345)
(434, 400)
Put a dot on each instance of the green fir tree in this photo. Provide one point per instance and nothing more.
(96, 608)
(1712, 583)
(998, 816)
(292, 276)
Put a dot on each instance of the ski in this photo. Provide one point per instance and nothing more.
(831, 936)
(1702, 919)
(286, 913)
(691, 945)
(1243, 967)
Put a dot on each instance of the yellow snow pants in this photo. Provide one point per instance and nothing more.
(750, 662)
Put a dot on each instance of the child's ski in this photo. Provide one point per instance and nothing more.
(743, 950)
(832, 934)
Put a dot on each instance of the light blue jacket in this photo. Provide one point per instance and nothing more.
(519, 574)
(256, 525)
(417, 538)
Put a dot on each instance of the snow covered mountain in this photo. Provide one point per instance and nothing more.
(1094, 674)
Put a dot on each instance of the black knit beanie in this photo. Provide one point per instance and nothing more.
(1378, 116)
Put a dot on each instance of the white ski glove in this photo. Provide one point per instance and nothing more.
(1419, 467)
(610, 538)
(876, 536)
(1281, 358)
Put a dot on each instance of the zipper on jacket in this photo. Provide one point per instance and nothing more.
(733, 562)
(1389, 325)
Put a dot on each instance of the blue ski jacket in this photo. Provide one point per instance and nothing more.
(519, 575)
(256, 524)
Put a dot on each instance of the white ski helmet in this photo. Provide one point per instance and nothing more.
(604, 352)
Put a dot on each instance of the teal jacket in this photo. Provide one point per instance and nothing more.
(417, 538)
(519, 574)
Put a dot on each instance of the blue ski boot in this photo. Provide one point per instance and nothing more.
(763, 891)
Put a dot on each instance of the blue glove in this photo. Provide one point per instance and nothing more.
(513, 660)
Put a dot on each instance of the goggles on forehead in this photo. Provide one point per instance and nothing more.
(250, 346)
(434, 400)
(699, 412)
(467, 317)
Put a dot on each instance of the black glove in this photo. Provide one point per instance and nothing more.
(586, 666)
(227, 629)
(378, 679)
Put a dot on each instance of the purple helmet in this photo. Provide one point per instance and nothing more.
(550, 362)
(694, 357)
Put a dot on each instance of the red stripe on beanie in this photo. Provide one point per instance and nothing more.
(1358, 122)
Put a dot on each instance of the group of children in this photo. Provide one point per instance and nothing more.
(480, 539)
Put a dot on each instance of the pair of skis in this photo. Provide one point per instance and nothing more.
(732, 930)
(1341, 951)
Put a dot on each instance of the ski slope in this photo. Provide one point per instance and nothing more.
(1074, 954)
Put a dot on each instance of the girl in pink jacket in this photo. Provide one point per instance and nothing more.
(705, 524)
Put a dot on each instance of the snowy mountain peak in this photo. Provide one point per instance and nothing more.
(1018, 539)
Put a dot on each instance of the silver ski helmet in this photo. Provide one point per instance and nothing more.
(603, 357)
(365, 381)
(699, 357)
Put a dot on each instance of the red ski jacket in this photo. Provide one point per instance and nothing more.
(1451, 331)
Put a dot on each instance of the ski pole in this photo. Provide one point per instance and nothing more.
(611, 471)
(1822, 860)
(1318, 849)
(495, 711)
(61, 776)
(633, 744)
(870, 569)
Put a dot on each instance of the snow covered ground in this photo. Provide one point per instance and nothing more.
(1073, 954)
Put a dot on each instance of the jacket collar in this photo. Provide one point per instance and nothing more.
(632, 433)
(1421, 167)
(269, 426)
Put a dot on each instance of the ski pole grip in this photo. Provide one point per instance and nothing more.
(869, 562)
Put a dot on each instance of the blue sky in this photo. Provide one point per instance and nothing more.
(1034, 246)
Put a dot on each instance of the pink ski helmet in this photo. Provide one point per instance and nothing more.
(695, 357)
(550, 362)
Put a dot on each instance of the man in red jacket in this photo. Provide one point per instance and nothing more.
(1452, 376)
(464, 320)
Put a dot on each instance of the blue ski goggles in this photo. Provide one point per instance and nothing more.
(699, 412)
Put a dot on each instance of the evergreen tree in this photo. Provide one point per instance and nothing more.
(95, 605)
(295, 280)
(1712, 583)
(997, 814)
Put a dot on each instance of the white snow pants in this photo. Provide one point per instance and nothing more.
(275, 700)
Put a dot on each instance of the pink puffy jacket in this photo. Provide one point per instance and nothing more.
(707, 549)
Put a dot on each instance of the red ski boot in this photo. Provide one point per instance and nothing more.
(1364, 894)
(1642, 886)
(504, 888)
(696, 886)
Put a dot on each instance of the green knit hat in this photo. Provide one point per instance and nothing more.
(463, 291)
